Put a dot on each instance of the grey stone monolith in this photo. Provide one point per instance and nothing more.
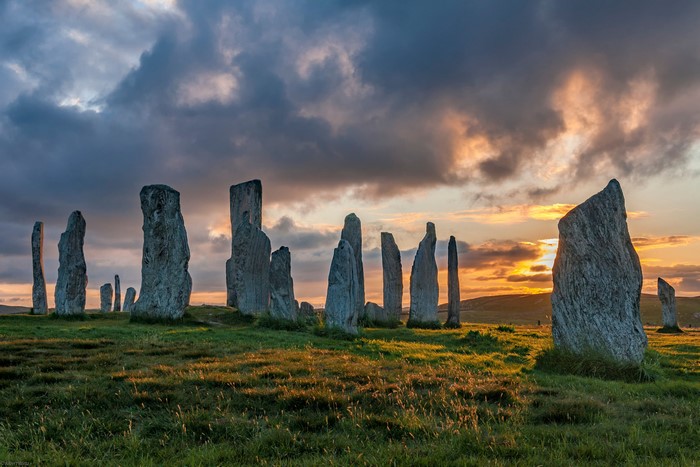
(250, 269)
(667, 296)
(341, 311)
(424, 281)
(307, 312)
(375, 314)
(165, 281)
(40, 305)
(245, 202)
(453, 302)
(106, 294)
(352, 232)
(72, 281)
(129, 299)
(282, 302)
(393, 277)
(117, 293)
(598, 281)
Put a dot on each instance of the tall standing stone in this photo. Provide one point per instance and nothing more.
(165, 281)
(282, 303)
(424, 281)
(250, 269)
(106, 293)
(341, 311)
(129, 298)
(453, 302)
(245, 202)
(352, 232)
(667, 295)
(598, 281)
(40, 304)
(117, 293)
(69, 294)
(393, 277)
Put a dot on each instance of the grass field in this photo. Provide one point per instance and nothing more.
(218, 389)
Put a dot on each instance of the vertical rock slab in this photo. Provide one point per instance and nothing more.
(424, 281)
(69, 294)
(453, 302)
(40, 304)
(106, 293)
(165, 281)
(245, 202)
(307, 312)
(667, 296)
(251, 269)
(282, 302)
(117, 293)
(393, 277)
(341, 311)
(129, 299)
(352, 233)
(598, 281)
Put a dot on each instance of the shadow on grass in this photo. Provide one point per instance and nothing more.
(592, 365)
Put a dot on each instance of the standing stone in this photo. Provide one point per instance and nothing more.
(352, 232)
(307, 312)
(117, 293)
(598, 281)
(106, 298)
(375, 313)
(341, 310)
(251, 269)
(129, 299)
(424, 280)
(667, 295)
(165, 282)
(40, 304)
(393, 278)
(72, 270)
(282, 303)
(452, 285)
(245, 202)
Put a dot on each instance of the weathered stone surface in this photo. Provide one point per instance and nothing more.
(165, 281)
(69, 294)
(117, 293)
(393, 277)
(306, 311)
(40, 305)
(452, 284)
(129, 299)
(251, 269)
(341, 311)
(282, 302)
(352, 232)
(667, 295)
(424, 282)
(598, 281)
(375, 313)
(106, 294)
(245, 202)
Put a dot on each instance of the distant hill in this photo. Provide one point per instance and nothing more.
(528, 308)
(13, 310)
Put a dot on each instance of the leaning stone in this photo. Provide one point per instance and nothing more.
(106, 298)
(40, 304)
(393, 277)
(667, 295)
(117, 294)
(352, 232)
(251, 269)
(597, 282)
(424, 281)
(341, 311)
(129, 299)
(69, 294)
(453, 303)
(165, 281)
(282, 303)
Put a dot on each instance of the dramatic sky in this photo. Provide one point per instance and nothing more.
(489, 118)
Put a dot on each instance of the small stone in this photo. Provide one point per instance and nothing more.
(282, 303)
(106, 293)
(393, 277)
(375, 313)
(117, 294)
(40, 304)
(307, 312)
(424, 281)
(129, 299)
(453, 302)
(352, 232)
(667, 295)
(72, 281)
(341, 311)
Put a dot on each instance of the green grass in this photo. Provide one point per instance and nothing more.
(219, 388)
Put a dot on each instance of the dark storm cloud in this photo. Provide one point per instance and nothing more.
(286, 232)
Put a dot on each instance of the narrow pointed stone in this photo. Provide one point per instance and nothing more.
(40, 304)
(129, 299)
(165, 281)
(251, 269)
(117, 294)
(352, 232)
(393, 277)
(282, 302)
(341, 311)
(424, 281)
(667, 296)
(598, 281)
(106, 293)
(69, 294)
(453, 302)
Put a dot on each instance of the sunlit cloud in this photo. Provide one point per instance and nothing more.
(650, 243)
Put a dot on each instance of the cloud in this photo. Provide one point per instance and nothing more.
(649, 243)
(529, 278)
